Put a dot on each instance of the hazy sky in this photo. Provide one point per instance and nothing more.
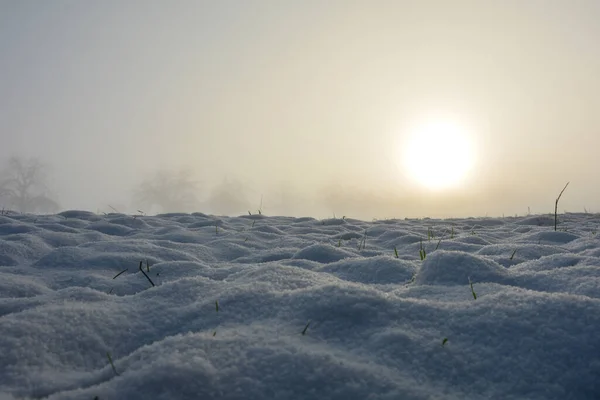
(307, 103)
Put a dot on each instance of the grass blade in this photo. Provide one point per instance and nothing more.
(305, 328)
(472, 290)
(147, 277)
(111, 363)
(556, 206)
(125, 270)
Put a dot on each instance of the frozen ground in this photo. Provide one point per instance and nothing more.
(378, 322)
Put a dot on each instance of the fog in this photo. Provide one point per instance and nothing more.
(301, 108)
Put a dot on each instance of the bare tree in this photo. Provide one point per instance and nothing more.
(23, 186)
(171, 191)
(228, 198)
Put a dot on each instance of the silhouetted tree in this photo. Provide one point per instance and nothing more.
(228, 198)
(171, 191)
(23, 186)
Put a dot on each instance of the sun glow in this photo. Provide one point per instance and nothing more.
(438, 154)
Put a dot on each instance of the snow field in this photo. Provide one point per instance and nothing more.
(377, 321)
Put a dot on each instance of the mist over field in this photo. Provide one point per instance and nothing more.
(307, 106)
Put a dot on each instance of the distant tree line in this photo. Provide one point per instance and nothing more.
(24, 187)
(177, 191)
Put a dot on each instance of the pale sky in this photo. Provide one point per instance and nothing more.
(312, 99)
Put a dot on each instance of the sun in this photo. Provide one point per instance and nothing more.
(438, 154)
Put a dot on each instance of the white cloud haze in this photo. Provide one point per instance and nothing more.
(303, 103)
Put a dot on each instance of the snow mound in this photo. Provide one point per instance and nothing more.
(549, 237)
(322, 253)
(455, 268)
(373, 270)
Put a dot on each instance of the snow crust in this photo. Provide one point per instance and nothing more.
(233, 296)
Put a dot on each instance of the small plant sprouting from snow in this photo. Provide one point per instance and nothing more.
(305, 328)
(422, 252)
(472, 290)
(111, 363)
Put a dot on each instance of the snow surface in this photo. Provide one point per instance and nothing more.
(377, 321)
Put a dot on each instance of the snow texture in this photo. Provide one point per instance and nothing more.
(259, 307)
